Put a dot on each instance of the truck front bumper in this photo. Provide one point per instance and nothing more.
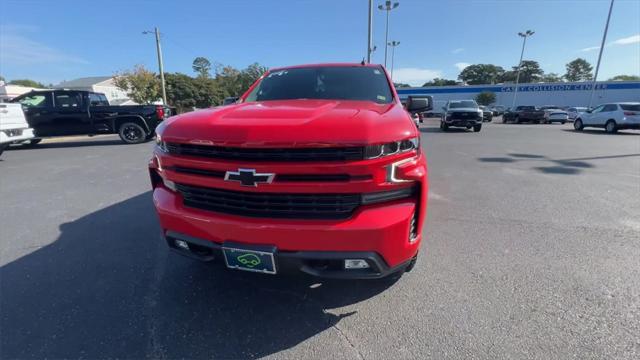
(378, 234)
(15, 135)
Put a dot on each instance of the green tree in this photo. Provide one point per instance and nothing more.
(625, 78)
(481, 74)
(252, 73)
(530, 71)
(202, 66)
(27, 83)
(578, 70)
(440, 82)
(551, 77)
(486, 98)
(140, 84)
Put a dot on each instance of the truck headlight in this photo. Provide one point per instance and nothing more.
(394, 147)
(161, 144)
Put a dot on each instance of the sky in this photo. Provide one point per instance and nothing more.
(55, 40)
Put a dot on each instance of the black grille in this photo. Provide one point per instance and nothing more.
(464, 115)
(270, 205)
(268, 154)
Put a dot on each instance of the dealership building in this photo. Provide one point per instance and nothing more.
(560, 94)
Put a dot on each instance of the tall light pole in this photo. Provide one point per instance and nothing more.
(604, 38)
(387, 7)
(524, 36)
(160, 66)
(369, 33)
(393, 45)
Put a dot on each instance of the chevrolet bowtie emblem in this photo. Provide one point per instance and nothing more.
(248, 177)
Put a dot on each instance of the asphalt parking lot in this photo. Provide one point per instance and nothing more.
(531, 251)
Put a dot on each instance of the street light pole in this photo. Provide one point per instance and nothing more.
(604, 39)
(387, 7)
(160, 65)
(524, 36)
(393, 45)
(369, 34)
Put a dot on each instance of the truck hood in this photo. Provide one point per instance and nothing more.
(464, 110)
(11, 116)
(292, 123)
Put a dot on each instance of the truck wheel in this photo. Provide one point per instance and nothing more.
(477, 128)
(577, 125)
(610, 127)
(517, 120)
(563, 122)
(3, 147)
(132, 133)
(444, 126)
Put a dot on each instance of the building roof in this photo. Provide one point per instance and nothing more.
(83, 82)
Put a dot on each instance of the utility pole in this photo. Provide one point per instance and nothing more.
(604, 39)
(370, 34)
(393, 45)
(524, 36)
(387, 7)
(160, 66)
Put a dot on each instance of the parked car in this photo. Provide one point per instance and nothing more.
(554, 114)
(13, 126)
(487, 114)
(73, 112)
(612, 117)
(498, 110)
(462, 113)
(329, 180)
(523, 113)
(573, 112)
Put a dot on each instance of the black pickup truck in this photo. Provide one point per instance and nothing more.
(524, 114)
(74, 112)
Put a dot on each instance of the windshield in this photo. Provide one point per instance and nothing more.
(462, 104)
(330, 82)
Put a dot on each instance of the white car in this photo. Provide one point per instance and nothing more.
(573, 112)
(554, 114)
(612, 117)
(13, 125)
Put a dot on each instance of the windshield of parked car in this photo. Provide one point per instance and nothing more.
(630, 107)
(327, 82)
(525, 108)
(462, 104)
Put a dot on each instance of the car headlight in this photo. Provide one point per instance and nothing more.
(161, 144)
(394, 147)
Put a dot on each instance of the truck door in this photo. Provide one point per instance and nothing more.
(70, 116)
(38, 109)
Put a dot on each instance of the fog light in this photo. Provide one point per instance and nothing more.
(355, 264)
(182, 244)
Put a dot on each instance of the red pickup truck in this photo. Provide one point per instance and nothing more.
(316, 168)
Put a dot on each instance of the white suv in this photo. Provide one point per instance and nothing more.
(13, 126)
(612, 117)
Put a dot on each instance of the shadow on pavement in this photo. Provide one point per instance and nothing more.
(67, 144)
(109, 288)
(601, 132)
(559, 166)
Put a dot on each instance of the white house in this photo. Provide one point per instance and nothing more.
(101, 84)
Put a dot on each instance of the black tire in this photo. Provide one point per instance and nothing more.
(444, 126)
(504, 121)
(577, 125)
(132, 133)
(477, 128)
(563, 122)
(3, 147)
(517, 120)
(610, 127)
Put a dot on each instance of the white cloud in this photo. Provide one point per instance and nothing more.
(415, 76)
(461, 65)
(18, 48)
(457, 51)
(633, 39)
(591, 48)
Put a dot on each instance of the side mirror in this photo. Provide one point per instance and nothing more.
(418, 104)
(230, 100)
